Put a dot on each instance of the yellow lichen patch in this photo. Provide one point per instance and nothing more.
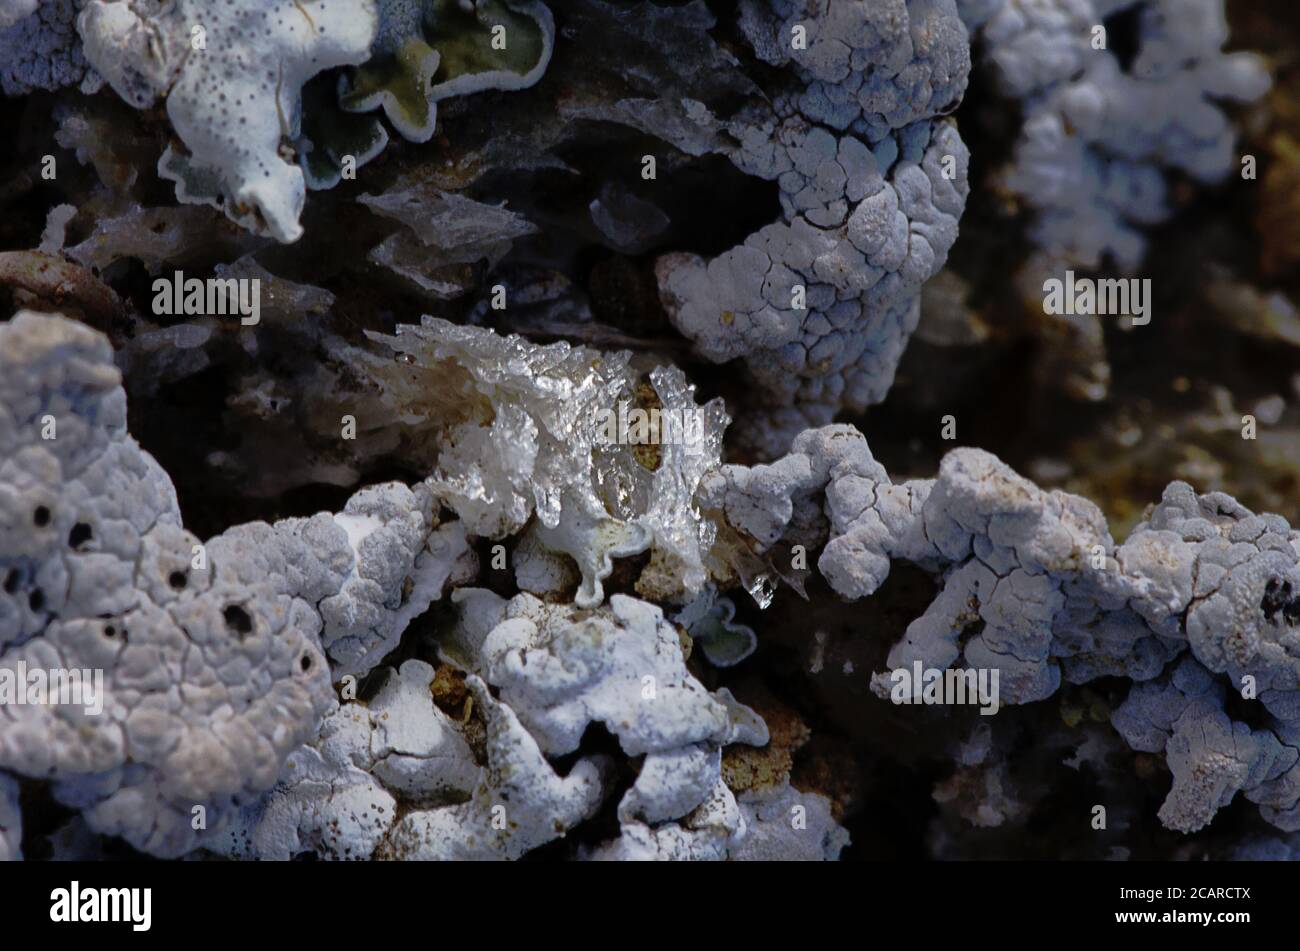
(1084, 704)
(1071, 713)
(661, 577)
(768, 767)
(831, 771)
(452, 697)
(1278, 218)
(686, 642)
(449, 692)
(976, 793)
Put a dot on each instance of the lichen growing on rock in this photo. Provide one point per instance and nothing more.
(232, 77)
(821, 304)
(429, 50)
(528, 511)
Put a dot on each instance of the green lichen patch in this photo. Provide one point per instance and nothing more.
(429, 50)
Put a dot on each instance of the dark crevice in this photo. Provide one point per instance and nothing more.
(238, 620)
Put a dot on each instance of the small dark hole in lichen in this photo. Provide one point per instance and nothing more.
(177, 580)
(1278, 598)
(1123, 36)
(80, 534)
(305, 663)
(110, 631)
(238, 620)
(41, 517)
(36, 599)
(11, 580)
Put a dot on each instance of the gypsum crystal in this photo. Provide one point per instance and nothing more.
(443, 231)
(234, 101)
(871, 188)
(212, 666)
(521, 433)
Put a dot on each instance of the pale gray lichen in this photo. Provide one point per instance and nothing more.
(783, 500)
(210, 654)
(1098, 134)
(39, 48)
(208, 703)
(1033, 586)
(416, 749)
(327, 803)
(1212, 757)
(821, 305)
(11, 11)
(707, 834)
(339, 795)
(554, 670)
(786, 825)
(354, 567)
(445, 560)
(540, 570)
(232, 75)
(99, 575)
(561, 669)
(520, 802)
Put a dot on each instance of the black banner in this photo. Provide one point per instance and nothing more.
(915, 902)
